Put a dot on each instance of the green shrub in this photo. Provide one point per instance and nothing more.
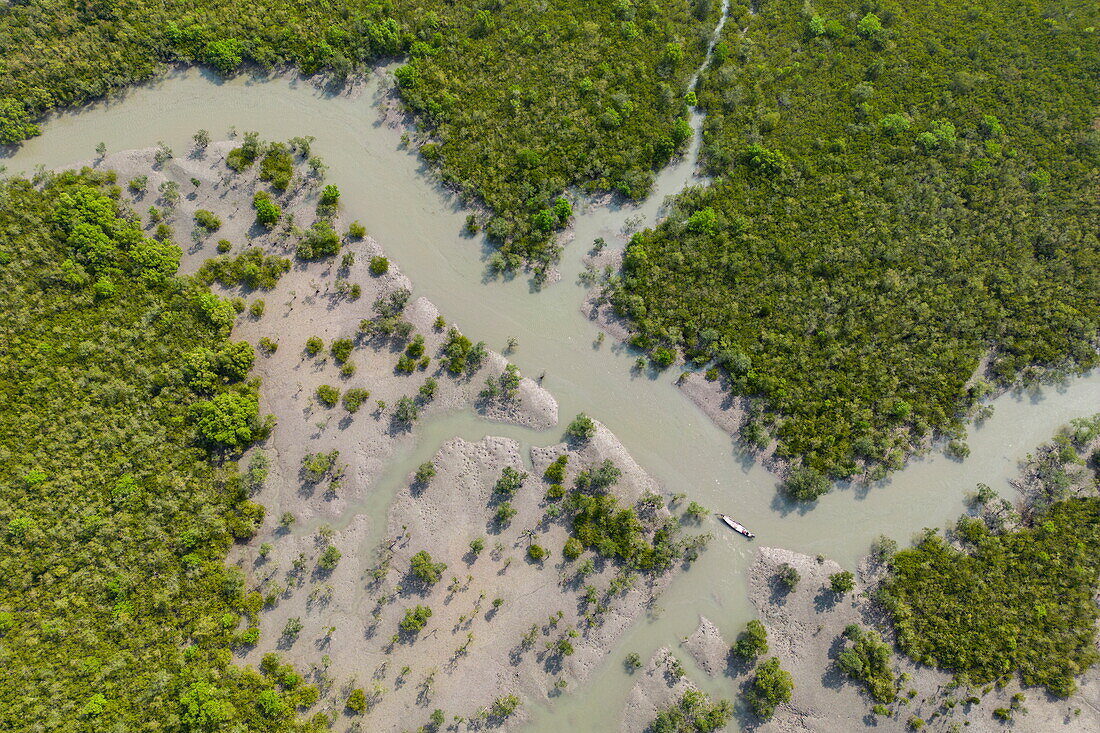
(328, 395)
(357, 701)
(354, 398)
(771, 687)
(752, 642)
(842, 582)
(314, 344)
(379, 266)
(208, 220)
(537, 553)
(573, 548)
(425, 570)
(415, 619)
(268, 212)
(341, 350)
(329, 195)
(318, 242)
(582, 428)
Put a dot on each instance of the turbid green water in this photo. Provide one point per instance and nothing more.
(420, 225)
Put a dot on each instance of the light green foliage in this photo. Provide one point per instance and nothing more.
(416, 618)
(341, 350)
(692, 713)
(251, 268)
(102, 453)
(868, 659)
(1017, 600)
(462, 356)
(315, 466)
(314, 344)
(573, 548)
(318, 242)
(503, 707)
(357, 701)
(771, 686)
(477, 545)
(537, 553)
(208, 220)
(752, 642)
(328, 395)
(268, 212)
(354, 398)
(425, 570)
(889, 205)
(329, 559)
(329, 195)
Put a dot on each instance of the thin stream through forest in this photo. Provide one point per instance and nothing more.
(420, 224)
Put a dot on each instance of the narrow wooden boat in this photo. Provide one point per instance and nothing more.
(736, 526)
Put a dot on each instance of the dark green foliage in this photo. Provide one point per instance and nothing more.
(752, 642)
(693, 713)
(252, 268)
(618, 533)
(416, 618)
(1016, 601)
(868, 659)
(462, 356)
(425, 570)
(555, 472)
(406, 411)
(771, 687)
(115, 520)
(582, 427)
(805, 484)
(632, 662)
(319, 241)
(425, 473)
(892, 199)
(504, 513)
(787, 577)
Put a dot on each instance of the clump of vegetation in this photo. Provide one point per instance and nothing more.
(503, 707)
(251, 268)
(268, 212)
(318, 242)
(416, 618)
(207, 220)
(379, 266)
(341, 350)
(842, 582)
(330, 194)
(425, 473)
(752, 642)
(555, 472)
(1015, 600)
(425, 570)
(509, 482)
(357, 701)
(868, 659)
(770, 687)
(537, 553)
(317, 466)
(328, 395)
(354, 398)
(314, 344)
(632, 663)
(787, 576)
(581, 428)
(277, 166)
(693, 712)
(329, 559)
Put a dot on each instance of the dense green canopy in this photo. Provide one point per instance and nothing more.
(1019, 601)
(524, 101)
(899, 189)
(119, 384)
